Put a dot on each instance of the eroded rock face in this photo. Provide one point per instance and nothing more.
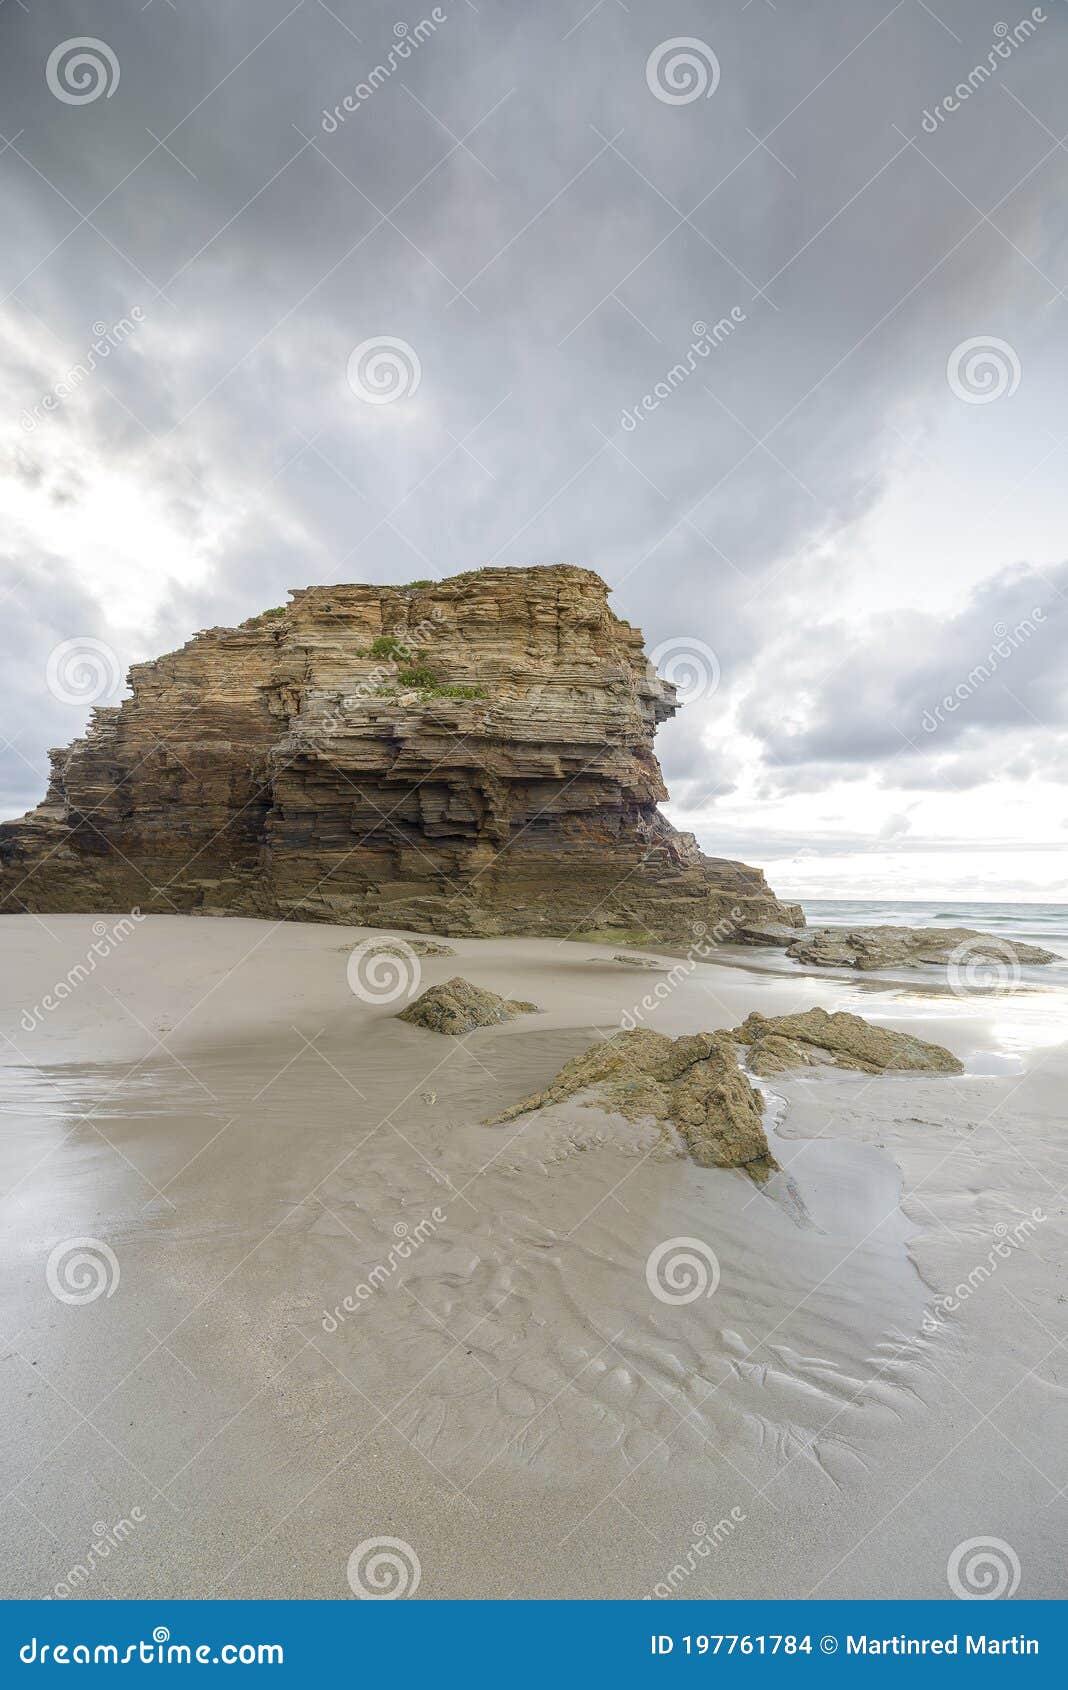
(456, 1006)
(472, 756)
(779, 1042)
(693, 1084)
(887, 947)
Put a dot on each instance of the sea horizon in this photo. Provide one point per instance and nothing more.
(1033, 922)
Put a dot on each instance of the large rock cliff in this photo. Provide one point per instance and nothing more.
(467, 756)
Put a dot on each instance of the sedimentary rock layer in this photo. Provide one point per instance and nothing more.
(813, 1037)
(889, 947)
(467, 756)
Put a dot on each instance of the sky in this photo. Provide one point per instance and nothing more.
(753, 308)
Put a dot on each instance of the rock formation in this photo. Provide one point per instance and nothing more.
(471, 756)
(693, 1084)
(890, 947)
(458, 1007)
(812, 1037)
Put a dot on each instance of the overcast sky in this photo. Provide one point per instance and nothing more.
(843, 508)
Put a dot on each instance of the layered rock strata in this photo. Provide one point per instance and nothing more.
(814, 1037)
(909, 947)
(471, 756)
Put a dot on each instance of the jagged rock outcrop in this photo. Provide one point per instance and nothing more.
(813, 1037)
(456, 1006)
(466, 756)
(895, 947)
(693, 1084)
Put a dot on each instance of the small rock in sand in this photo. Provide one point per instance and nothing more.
(812, 1037)
(393, 944)
(458, 1007)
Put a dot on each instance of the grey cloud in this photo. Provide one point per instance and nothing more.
(32, 625)
(564, 220)
(924, 699)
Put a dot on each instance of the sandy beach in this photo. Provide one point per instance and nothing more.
(254, 1142)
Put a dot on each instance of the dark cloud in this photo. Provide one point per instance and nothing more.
(516, 204)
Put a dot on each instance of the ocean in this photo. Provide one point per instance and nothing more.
(1035, 924)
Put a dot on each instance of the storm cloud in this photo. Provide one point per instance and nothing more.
(257, 190)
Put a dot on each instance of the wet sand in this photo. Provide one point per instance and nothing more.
(254, 1143)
